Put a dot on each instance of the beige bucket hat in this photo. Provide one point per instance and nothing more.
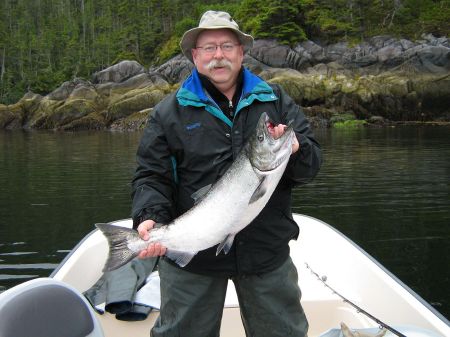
(213, 20)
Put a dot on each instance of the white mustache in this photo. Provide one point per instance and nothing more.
(219, 64)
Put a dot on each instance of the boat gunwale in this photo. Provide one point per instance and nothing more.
(383, 268)
(78, 245)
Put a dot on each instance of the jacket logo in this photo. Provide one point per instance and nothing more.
(193, 126)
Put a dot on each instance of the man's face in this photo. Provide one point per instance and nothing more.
(221, 65)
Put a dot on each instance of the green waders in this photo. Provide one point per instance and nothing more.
(192, 304)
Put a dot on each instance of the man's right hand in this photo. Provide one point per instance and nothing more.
(154, 249)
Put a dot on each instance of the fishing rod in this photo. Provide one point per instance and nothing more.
(323, 279)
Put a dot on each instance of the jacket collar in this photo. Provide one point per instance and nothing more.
(192, 92)
(218, 96)
(254, 88)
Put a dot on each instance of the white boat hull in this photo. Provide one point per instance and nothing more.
(348, 270)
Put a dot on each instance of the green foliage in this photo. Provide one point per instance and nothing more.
(349, 124)
(327, 23)
(184, 25)
(45, 81)
(228, 6)
(44, 43)
(277, 19)
(169, 49)
(415, 17)
(126, 55)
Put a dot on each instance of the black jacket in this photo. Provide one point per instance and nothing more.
(189, 143)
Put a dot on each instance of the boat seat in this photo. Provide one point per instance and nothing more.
(46, 307)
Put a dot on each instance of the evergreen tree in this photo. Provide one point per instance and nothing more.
(277, 19)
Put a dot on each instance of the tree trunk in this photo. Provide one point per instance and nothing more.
(397, 5)
(83, 16)
(2, 71)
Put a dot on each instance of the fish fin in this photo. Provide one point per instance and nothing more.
(226, 244)
(119, 253)
(259, 192)
(180, 258)
(200, 194)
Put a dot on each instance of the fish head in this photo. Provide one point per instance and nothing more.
(265, 152)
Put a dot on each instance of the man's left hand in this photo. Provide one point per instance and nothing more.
(278, 130)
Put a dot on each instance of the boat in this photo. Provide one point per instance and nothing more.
(340, 283)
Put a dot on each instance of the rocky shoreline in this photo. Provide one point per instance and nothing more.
(381, 81)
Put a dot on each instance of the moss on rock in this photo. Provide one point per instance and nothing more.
(93, 121)
(11, 116)
(135, 121)
(38, 116)
(349, 124)
(134, 101)
(70, 111)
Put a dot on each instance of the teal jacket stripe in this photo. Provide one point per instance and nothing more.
(174, 168)
(219, 114)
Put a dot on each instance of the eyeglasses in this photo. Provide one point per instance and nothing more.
(226, 47)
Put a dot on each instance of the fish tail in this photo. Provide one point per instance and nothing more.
(118, 237)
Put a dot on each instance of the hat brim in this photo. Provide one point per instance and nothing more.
(189, 39)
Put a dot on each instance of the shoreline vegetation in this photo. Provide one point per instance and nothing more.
(381, 81)
(104, 64)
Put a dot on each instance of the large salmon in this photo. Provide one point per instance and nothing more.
(221, 210)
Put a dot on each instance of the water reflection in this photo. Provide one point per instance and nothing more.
(56, 186)
(387, 189)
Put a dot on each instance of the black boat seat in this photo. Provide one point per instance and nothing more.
(45, 307)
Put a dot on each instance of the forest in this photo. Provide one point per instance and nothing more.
(46, 42)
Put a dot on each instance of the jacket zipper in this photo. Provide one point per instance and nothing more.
(230, 109)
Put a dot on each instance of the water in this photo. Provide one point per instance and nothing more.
(387, 189)
(55, 186)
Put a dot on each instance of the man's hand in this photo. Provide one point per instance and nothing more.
(278, 130)
(154, 249)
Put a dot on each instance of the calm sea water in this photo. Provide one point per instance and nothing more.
(387, 189)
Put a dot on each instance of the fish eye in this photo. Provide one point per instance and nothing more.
(260, 137)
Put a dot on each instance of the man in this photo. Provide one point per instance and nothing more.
(191, 139)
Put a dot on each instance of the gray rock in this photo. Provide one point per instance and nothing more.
(83, 91)
(254, 65)
(425, 58)
(270, 53)
(312, 51)
(377, 54)
(175, 70)
(337, 52)
(65, 89)
(141, 81)
(118, 72)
